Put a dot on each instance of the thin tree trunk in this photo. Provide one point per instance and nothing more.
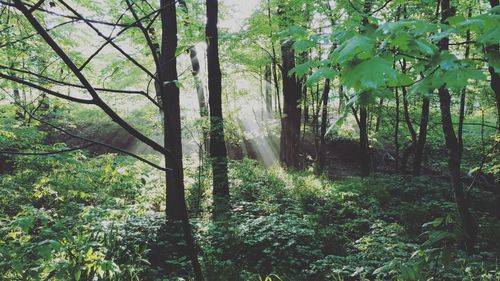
(268, 90)
(364, 149)
(469, 223)
(324, 124)
(218, 151)
(411, 148)
(379, 114)
(422, 137)
(364, 159)
(463, 94)
(396, 131)
(274, 62)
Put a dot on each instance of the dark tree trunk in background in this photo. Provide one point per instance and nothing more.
(379, 115)
(396, 132)
(218, 151)
(461, 117)
(274, 62)
(495, 78)
(469, 223)
(324, 124)
(495, 85)
(306, 105)
(406, 112)
(290, 125)
(268, 90)
(422, 137)
(364, 153)
(290, 121)
(364, 146)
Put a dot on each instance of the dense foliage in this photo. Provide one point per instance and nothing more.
(319, 140)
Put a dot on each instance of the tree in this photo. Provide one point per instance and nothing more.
(454, 155)
(290, 124)
(218, 151)
(168, 92)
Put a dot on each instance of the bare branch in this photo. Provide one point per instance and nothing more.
(63, 83)
(45, 90)
(98, 32)
(154, 50)
(35, 34)
(97, 100)
(92, 141)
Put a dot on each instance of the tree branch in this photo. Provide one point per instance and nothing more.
(97, 100)
(98, 32)
(45, 90)
(142, 93)
(91, 141)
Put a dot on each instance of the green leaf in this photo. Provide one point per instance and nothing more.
(294, 31)
(370, 74)
(322, 73)
(303, 45)
(424, 47)
(491, 36)
(302, 69)
(459, 78)
(359, 46)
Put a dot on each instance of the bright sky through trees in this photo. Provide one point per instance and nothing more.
(239, 11)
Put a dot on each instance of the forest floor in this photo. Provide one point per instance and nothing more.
(296, 224)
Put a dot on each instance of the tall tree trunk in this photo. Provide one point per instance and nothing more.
(290, 134)
(324, 124)
(274, 62)
(169, 92)
(218, 151)
(290, 122)
(268, 90)
(396, 131)
(469, 223)
(364, 146)
(379, 114)
(176, 209)
(364, 154)
(461, 117)
(422, 137)
(495, 77)
(411, 148)
(495, 85)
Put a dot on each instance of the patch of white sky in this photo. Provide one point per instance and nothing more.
(238, 12)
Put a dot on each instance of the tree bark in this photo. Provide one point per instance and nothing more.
(379, 114)
(495, 77)
(324, 124)
(290, 133)
(364, 155)
(364, 146)
(290, 122)
(218, 151)
(422, 137)
(268, 91)
(396, 131)
(469, 223)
